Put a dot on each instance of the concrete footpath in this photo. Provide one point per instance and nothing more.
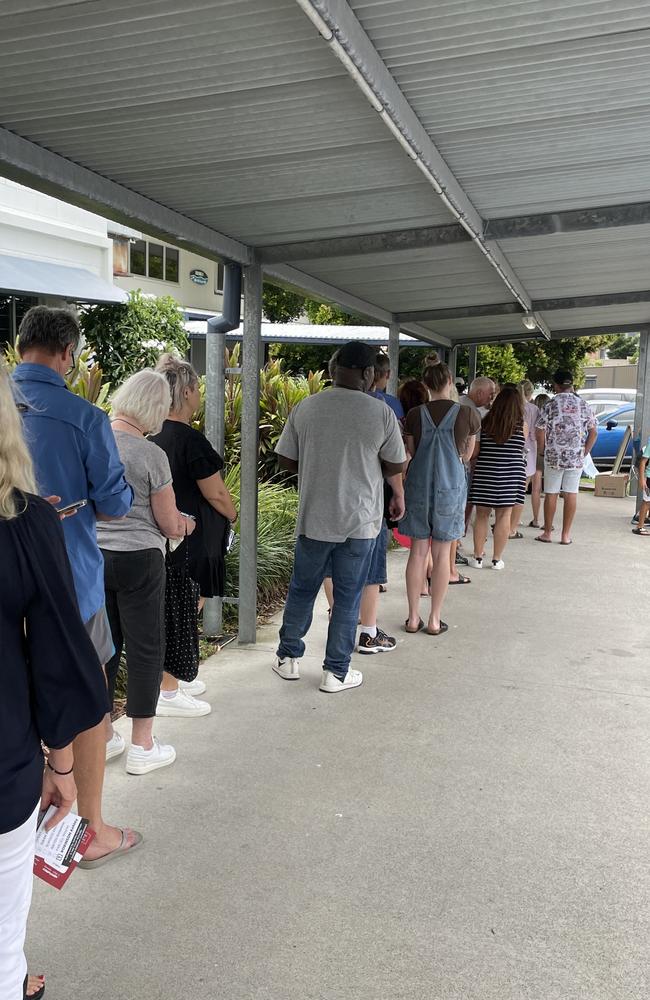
(471, 824)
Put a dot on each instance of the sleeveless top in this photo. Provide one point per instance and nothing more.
(499, 476)
(436, 486)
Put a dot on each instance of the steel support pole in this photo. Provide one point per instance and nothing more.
(393, 357)
(249, 453)
(471, 368)
(453, 361)
(642, 410)
(215, 392)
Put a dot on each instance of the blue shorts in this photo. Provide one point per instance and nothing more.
(377, 570)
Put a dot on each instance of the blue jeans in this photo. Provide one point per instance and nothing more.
(349, 563)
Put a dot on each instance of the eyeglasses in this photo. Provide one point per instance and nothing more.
(72, 366)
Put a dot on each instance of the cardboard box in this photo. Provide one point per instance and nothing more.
(609, 484)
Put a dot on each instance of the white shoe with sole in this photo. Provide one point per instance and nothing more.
(331, 684)
(195, 687)
(476, 562)
(141, 761)
(182, 705)
(287, 668)
(498, 564)
(115, 746)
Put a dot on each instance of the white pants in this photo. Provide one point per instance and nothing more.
(16, 879)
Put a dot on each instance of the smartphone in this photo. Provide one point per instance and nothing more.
(71, 508)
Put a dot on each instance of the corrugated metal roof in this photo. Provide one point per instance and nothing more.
(237, 114)
(310, 333)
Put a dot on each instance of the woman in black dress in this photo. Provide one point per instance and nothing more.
(200, 491)
(52, 687)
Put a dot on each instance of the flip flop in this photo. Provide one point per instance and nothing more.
(546, 541)
(412, 631)
(532, 524)
(39, 993)
(567, 543)
(640, 531)
(461, 579)
(118, 852)
(443, 628)
(517, 534)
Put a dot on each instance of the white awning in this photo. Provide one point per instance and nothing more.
(25, 276)
(305, 333)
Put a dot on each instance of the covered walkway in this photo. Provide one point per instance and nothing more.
(470, 824)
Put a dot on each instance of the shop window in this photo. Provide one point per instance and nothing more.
(138, 263)
(171, 264)
(156, 261)
(219, 280)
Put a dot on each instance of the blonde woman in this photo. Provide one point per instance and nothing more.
(200, 491)
(533, 475)
(134, 565)
(52, 685)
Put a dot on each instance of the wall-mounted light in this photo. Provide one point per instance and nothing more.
(529, 321)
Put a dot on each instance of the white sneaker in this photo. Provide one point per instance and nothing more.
(476, 562)
(498, 564)
(287, 668)
(332, 685)
(140, 761)
(115, 746)
(195, 687)
(183, 705)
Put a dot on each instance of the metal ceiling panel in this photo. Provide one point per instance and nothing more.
(534, 105)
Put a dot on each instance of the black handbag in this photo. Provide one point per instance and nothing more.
(182, 595)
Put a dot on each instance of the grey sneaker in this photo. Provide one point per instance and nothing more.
(379, 643)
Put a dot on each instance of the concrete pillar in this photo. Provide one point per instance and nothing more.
(249, 453)
(215, 393)
(393, 355)
(471, 370)
(642, 411)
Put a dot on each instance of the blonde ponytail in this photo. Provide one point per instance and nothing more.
(16, 469)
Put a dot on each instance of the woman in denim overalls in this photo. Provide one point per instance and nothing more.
(435, 494)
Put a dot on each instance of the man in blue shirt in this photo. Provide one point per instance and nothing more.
(75, 458)
(382, 374)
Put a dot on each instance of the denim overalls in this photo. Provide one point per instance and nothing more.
(436, 486)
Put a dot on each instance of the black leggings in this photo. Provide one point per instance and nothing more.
(135, 605)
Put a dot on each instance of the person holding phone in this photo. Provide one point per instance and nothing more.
(134, 564)
(52, 683)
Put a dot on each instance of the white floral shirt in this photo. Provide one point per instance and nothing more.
(566, 419)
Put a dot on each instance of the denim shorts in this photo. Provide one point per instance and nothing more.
(377, 570)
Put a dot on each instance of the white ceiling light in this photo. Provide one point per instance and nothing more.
(529, 321)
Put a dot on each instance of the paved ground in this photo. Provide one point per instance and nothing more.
(471, 824)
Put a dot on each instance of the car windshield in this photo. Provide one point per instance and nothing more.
(622, 417)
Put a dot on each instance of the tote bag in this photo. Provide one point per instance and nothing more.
(181, 622)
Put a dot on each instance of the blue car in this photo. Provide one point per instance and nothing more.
(611, 429)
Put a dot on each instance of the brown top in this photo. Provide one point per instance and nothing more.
(468, 422)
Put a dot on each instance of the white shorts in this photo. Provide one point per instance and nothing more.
(16, 878)
(561, 480)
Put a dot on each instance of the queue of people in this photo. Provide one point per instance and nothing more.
(114, 531)
(129, 539)
(441, 458)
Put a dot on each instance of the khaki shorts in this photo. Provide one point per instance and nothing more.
(99, 631)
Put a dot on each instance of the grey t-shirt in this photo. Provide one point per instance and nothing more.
(147, 470)
(339, 438)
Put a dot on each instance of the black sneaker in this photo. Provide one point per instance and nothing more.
(380, 643)
(461, 560)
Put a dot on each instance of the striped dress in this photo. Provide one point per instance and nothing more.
(499, 476)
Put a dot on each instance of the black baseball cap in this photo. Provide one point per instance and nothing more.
(356, 355)
(563, 377)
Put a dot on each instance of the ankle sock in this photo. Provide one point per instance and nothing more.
(370, 630)
(169, 694)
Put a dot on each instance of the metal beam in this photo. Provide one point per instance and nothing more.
(568, 221)
(642, 409)
(249, 454)
(299, 281)
(471, 365)
(393, 356)
(511, 337)
(215, 391)
(26, 163)
(348, 40)
(350, 246)
(538, 305)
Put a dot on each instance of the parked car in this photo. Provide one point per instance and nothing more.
(611, 429)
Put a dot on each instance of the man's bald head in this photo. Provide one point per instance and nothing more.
(482, 391)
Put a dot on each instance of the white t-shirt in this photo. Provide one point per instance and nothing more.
(339, 438)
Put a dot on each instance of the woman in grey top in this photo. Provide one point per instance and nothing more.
(134, 565)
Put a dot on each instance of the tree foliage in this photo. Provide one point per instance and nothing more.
(280, 305)
(300, 359)
(623, 345)
(323, 314)
(130, 336)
